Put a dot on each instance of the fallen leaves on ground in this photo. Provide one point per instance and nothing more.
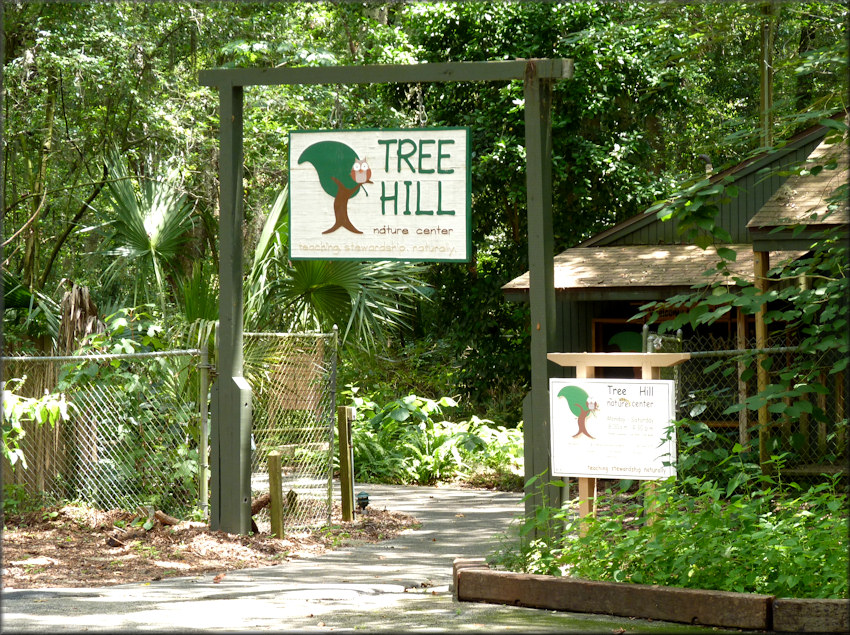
(67, 547)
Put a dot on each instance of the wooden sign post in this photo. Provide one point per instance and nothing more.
(586, 365)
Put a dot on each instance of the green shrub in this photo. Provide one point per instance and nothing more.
(18, 409)
(733, 530)
(406, 441)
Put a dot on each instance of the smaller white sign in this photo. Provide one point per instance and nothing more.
(603, 428)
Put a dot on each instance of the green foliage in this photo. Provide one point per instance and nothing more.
(150, 226)
(617, 144)
(27, 314)
(404, 442)
(151, 425)
(421, 366)
(488, 338)
(371, 301)
(49, 409)
(742, 531)
(81, 78)
(806, 301)
(17, 500)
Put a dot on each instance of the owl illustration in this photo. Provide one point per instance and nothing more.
(361, 172)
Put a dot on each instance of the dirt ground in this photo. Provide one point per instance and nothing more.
(74, 546)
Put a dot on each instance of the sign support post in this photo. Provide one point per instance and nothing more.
(230, 447)
(541, 267)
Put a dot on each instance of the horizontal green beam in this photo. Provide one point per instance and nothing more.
(503, 70)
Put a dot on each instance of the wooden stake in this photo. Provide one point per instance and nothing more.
(743, 419)
(276, 493)
(761, 265)
(345, 414)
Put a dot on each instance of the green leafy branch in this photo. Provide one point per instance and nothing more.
(18, 409)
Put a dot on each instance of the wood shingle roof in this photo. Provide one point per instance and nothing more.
(625, 266)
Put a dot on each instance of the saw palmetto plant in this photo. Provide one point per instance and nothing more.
(151, 222)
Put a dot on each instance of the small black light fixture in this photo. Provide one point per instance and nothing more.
(362, 500)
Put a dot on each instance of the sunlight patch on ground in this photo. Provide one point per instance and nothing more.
(165, 564)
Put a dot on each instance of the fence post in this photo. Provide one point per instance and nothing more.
(275, 493)
(345, 414)
(761, 264)
(205, 439)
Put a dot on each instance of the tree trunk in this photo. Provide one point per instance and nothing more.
(39, 188)
(805, 83)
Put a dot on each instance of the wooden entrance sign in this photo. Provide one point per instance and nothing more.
(586, 365)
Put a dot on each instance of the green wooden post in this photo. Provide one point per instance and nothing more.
(538, 143)
(230, 500)
(275, 493)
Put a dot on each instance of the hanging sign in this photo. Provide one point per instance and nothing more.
(380, 194)
(602, 428)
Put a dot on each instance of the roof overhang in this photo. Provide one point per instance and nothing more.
(639, 272)
(803, 209)
(736, 172)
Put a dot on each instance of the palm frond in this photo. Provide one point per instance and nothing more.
(372, 299)
(36, 303)
(269, 252)
(151, 226)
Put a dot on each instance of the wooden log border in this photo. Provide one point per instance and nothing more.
(474, 581)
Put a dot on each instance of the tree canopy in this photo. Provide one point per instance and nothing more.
(656, 85)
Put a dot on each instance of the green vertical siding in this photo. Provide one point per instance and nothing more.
(754, 191)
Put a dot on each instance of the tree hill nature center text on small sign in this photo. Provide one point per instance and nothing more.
(612, 428)
(389, 194)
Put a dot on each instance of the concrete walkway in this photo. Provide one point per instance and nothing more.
(397, 585)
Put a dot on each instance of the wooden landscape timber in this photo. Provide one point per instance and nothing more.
(474, 581)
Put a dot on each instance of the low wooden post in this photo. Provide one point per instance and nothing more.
(345, 415)
(650, 502)
(743, 418)
(586, 502)
(276, 493)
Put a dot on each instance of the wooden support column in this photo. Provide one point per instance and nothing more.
(538, 144)
(275, 493)
(230, 448)
(650, 502)
(743, 414)
(344, 416)
(587, 487)
(761, 264)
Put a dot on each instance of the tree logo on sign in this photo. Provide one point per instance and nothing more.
(580, 405)
(341, 174)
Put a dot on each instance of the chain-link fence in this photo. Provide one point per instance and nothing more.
(293, 379)
(136, 434)
(132, 435)
(715, 379)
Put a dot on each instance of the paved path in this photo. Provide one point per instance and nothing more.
(397, 585)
